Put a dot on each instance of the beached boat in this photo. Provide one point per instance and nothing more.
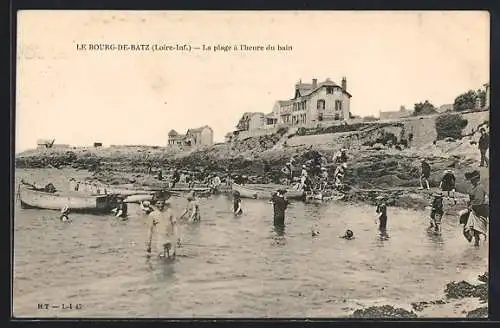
(257, 191)
(320, 197)
(31, 198)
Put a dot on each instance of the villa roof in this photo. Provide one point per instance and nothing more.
(196, 130)
(306, 89)
(173, 133)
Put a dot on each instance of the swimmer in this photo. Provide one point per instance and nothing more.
(349, 235)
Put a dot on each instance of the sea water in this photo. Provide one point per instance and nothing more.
(232, 266)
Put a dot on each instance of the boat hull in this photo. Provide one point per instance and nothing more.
(56, 201)
(264, 192)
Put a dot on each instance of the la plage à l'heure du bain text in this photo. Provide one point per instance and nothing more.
(184, 47)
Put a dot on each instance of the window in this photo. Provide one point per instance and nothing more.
(337, 117)
(329, 90)
(338, 105)
(320, 117)
(321, 104)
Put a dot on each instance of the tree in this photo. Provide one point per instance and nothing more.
(450, 126)
(424, 108)
(467, 100)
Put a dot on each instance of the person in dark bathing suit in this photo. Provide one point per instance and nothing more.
(237, 204)
(349, 235)
(448, 183)
(280, 204)
(436, 212)
(175, 178)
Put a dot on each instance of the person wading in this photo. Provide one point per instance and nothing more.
(448, 183)
(215, 184)
(146, 207)
(192, 209)
(65, 214)
(237, 203)
(338, 175)
(280, 204)
(382, 215)
(484, 144)
(163, 229)
(436, 212)
(121, 209)
(477, 223)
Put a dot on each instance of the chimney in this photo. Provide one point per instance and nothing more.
(315, 84)
(344, 84)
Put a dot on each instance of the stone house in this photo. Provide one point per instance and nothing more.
(251, 121)
(202, 136)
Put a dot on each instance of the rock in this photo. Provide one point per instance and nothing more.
(385, 311)
(481, 312)
(457, 290)
(483, 277)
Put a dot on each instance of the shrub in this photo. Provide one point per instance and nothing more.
(450, 126)
(424, 108)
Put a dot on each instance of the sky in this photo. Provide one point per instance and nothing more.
(79, 97)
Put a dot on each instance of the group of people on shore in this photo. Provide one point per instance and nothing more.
(314, 174)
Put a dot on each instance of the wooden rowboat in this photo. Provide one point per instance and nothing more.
(265, 191)
(76, 202)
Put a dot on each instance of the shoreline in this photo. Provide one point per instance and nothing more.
(460, 299)
(400, 197)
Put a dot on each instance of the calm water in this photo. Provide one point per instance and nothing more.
(233, 266)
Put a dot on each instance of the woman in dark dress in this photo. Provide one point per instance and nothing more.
(237, 204)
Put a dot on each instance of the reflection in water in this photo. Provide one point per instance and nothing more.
(435, 237)
(279, 230)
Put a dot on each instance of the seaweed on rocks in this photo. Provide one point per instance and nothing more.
(420, 306)
(385, 311)
(462, 289)
(481, 312)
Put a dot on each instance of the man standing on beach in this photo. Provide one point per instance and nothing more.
(175, 178)
(425, 174)
(280, 204)
(484, 144)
